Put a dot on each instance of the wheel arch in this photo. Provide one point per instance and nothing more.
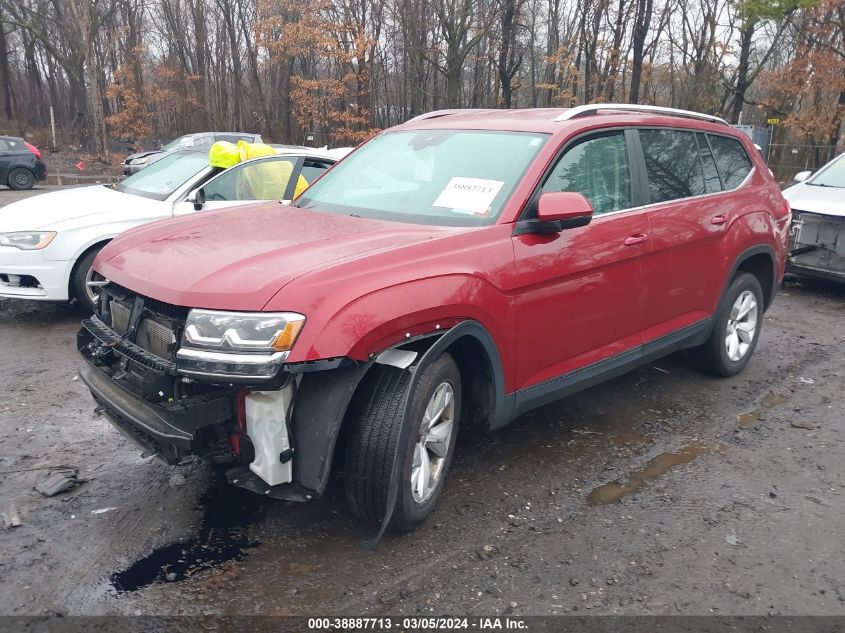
(83, 252)
(325, 399)
(759, 261)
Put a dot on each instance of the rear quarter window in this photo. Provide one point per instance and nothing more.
(732, 160)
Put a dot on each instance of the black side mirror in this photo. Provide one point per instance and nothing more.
(197, 197)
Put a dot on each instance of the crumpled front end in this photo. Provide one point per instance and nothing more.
(817, 245)
(132, 368)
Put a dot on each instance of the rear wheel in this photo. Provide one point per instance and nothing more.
(737, 329)
(428, 449)
(21, 178)
(83, 281)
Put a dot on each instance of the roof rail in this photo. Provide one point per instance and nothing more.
(438, 113)
(595, 108)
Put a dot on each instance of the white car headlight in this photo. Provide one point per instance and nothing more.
(27, 240)
(139, 161)
(237, 344)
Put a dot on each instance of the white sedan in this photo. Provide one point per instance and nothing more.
(817, 240)
(48, 242)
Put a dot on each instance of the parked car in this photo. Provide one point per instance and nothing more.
(48, 242)
(459, 269)
(20, 163)
(817, 237)
(200, 142)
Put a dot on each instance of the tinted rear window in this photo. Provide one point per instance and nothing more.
(672, 164)
(732, 161)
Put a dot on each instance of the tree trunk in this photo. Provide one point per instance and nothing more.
(641, 26)
(508, 41)
(746, 37)
(5, 76)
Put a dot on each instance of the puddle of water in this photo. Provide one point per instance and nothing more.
(769, 401)
(613, 491)
(226, 513)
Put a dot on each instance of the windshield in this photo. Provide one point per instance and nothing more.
(832, 176)
(165, 176)
(445, 177)
(179, 143)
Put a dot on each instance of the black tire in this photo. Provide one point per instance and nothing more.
(77, 280)
(376, 423)
(713, 355)
(21, 178)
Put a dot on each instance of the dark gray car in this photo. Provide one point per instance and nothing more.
(199, 141)
(20, 163)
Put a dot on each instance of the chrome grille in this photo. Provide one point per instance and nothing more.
(152, 335)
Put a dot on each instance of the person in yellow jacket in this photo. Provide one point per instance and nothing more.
(265, 181)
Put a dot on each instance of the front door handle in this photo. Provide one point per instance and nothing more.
(719, 220)
(635, 239)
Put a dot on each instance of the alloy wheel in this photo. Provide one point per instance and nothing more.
(93, 283)
(433, 441)
(741, 326)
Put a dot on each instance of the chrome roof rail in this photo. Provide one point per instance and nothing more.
(595, 108)
(438, 113)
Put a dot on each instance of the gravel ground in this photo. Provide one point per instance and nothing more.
(662, 492)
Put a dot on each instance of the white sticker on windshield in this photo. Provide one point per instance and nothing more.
(469, 195)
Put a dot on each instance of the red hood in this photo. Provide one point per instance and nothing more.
(237, 259)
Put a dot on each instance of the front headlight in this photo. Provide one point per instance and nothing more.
(237, 344)
(27, 240)
(139, 161)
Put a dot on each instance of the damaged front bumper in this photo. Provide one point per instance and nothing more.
(172, 416)
(817, 245)
(168, 430)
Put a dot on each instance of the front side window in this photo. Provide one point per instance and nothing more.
(444, 177)
(733, 163)
(259, 180)
(672, 164)
(165, 176)
(598, 168)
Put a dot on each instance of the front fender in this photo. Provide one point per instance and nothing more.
(380, 319)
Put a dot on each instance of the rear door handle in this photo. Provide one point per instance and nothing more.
(635, 239)
(719, 220)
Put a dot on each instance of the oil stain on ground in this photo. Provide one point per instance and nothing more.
(656, 466)
(769, 401)
(227, 511)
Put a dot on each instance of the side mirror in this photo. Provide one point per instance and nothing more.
(801, 176)
(564, 206)
(197, 198)
(557, 211)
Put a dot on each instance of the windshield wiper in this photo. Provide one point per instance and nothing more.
(822, 184)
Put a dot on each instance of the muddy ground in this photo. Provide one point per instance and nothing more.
(661, 492)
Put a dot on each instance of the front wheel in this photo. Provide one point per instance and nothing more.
(427, 453)
(83, 282)
(737, 329)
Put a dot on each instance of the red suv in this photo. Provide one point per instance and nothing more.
(459, 269)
